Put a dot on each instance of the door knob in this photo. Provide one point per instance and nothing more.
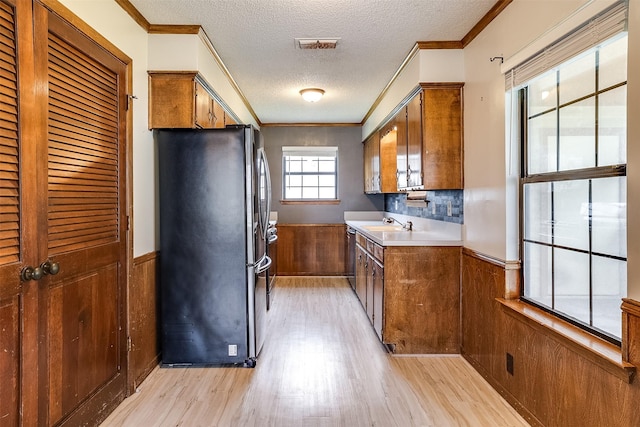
(49, 267)
(30, 273)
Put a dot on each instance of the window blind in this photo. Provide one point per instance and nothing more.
(310, 151)
(598, 29)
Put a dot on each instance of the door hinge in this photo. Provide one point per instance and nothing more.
(129, 345)
(129, 99)
(128, 222)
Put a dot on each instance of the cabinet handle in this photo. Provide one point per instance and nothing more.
(30, 273)
(49, 267)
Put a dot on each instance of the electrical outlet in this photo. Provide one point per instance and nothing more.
(510, 363)
(433, 208)
(448, 207)
(233, 350)
(395, 205)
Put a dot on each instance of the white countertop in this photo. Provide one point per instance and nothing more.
(424, 233)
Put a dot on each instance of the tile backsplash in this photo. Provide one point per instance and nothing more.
(436, 208)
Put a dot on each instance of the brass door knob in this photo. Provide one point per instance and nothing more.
(49, 267)
(30, 273)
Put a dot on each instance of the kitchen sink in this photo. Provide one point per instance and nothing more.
(383, 228)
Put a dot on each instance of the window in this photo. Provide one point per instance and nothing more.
(310, 173)
(573, 187)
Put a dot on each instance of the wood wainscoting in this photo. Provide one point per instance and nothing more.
(555, 381)
(312, 250)
(144, 354)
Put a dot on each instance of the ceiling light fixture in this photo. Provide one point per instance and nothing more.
(312, 94)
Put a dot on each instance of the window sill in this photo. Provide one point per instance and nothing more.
(600, 352)
(310, 202)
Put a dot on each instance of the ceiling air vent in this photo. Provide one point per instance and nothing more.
(318, 43)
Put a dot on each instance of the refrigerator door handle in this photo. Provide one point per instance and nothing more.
(263, 265)
(264, 216)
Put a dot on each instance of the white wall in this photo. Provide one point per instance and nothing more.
(112, 22)
(191, 52)
(427, 66)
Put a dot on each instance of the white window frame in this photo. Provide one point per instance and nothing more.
(314, 155)
(605, 26)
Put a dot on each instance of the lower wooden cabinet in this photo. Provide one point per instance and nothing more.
(411, 295)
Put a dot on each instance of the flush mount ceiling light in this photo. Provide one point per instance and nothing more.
(312, 94)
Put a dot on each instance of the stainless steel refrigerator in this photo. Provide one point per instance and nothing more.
(215, 197)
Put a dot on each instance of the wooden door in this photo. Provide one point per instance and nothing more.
(361, 275)
(442, 137)
(83, 223)
(414, 141)
(204, 116)
(378, 302)
(218, 114)
(371, 275)
(18, 240)
(400, 122)
(387, 158)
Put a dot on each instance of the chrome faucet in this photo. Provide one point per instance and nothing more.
(390, 220)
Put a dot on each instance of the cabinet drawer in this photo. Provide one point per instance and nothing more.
(378, 253)
(361, 240)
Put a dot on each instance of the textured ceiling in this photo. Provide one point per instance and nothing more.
(256, 41)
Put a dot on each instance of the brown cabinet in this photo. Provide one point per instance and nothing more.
(372, 164)
(361, 275)
(414, 143)
(380, 161)
(421, 145)
(411, 295)
(408, 122)
(369, 280)
(442, 154)
(388, 154)
(181, 100)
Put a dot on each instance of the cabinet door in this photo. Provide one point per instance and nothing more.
(442, 137)
(388, 165)
(414, 142)
(361, 275)
(228, 119)
(218, 114)
(378, 302)
(372, 272)
(83, 220)
(204, 115)
(372, 164)
(171, 100)
(18, 224)
(400, 122)
(375, 164)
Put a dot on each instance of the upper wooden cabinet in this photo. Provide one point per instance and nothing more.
(180, 100)
(420, 147)
(388, 153)
(442, 136)
(414, 143)
(380, 174)
(372, 164)
(408, 122)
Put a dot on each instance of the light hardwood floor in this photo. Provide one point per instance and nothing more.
(322, 365)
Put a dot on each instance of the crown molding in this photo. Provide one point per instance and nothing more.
(173, 29)
(309, 124)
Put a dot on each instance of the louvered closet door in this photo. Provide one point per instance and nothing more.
(18, 246)
(85, 224)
